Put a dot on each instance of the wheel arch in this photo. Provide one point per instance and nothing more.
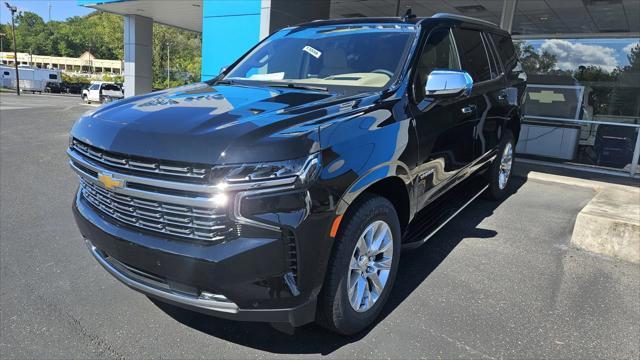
(514, 123)
(395, 188)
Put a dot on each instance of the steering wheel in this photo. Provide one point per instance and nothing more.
(383, 71)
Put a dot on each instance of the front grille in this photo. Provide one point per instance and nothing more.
(136, 164)
(208, 224)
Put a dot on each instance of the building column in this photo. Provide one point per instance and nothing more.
(508, 13)
(138, 31)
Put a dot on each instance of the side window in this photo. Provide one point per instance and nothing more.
(496, 70)
(6, 73)
(439, 52)
(473, 54)
(94, 87)
(53, 76)
(507, 52)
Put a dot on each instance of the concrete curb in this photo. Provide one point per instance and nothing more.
(610, 223)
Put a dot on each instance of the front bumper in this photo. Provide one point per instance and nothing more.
(240, 280)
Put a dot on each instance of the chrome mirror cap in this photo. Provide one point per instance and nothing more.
(448, 83)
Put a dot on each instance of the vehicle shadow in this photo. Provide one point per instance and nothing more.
(415, 267)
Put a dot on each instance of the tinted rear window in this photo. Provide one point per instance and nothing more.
(473, 54)
(111, 87)
(53, 76)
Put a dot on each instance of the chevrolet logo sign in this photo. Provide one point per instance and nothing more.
(546, 96)
(109, 182)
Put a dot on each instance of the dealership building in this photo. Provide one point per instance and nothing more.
(582, 58)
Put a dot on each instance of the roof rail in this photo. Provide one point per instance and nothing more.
(464, 18)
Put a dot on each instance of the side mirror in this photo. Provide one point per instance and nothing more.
(448, 83)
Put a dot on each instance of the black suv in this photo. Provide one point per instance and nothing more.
(284, 189)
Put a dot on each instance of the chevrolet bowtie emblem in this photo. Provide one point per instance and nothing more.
(109, 182)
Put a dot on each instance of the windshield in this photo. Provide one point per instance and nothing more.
(363, 55)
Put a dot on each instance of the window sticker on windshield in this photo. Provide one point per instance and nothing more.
(315, 53)
(271, 76)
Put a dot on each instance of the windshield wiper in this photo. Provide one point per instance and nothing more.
(224, 82)
(298, 86)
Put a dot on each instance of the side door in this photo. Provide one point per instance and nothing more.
(94, 92)
(444, 126)
(479, 60)
(496, 100)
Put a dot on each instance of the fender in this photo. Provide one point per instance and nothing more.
(514, 121)
(373, 176)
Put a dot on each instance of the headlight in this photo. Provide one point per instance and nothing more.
(240, 181)
(254, 172)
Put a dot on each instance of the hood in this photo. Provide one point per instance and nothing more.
(208, 124)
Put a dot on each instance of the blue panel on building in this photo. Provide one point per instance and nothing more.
(230, 7)
(229, 29)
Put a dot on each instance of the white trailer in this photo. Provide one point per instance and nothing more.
(31, 79)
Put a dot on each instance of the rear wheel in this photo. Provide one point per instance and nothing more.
(499, 175)
(363, 267)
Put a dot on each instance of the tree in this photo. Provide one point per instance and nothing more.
(102, 34)
(32, 33)
(184, 56)
(634, 59)
(533, 62)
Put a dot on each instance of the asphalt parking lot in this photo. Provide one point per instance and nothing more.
(499, 281)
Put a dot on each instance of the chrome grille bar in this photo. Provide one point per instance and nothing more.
(78, 159)
(199, 224)
(111, 159)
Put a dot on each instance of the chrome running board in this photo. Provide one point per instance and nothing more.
(417, 237)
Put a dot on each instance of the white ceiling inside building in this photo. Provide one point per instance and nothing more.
(577, 16)
(532, 16)
(186, 14)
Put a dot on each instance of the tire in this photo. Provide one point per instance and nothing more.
(499, 174)
(335, 309)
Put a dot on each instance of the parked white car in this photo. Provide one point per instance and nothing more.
(102, 91)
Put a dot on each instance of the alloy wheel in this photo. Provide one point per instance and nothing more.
(369, 266)
(505, 166)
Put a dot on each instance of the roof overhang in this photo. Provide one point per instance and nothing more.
(185, 14)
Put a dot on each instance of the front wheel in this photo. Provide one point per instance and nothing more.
(499, 175)
(363, 267)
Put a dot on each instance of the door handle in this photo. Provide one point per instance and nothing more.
(468, 109)
(502, 96)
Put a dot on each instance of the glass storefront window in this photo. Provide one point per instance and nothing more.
(583, 100)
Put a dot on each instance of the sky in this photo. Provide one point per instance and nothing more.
(60, 9)
(571, 53)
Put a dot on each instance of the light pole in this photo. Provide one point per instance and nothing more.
(2, 35)
(13, 10)
(168, 73)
